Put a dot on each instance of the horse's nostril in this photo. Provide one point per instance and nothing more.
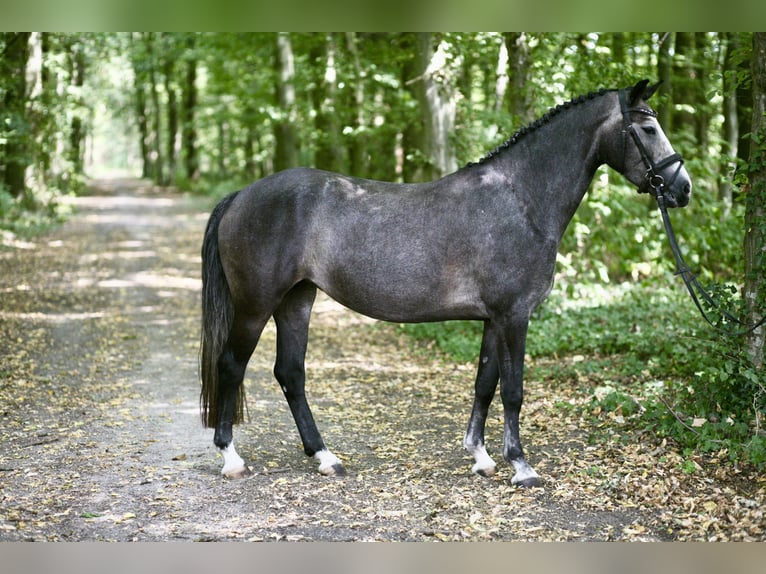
(688, 188)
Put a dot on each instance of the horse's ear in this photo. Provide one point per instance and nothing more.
(637, 92)
(651, 89)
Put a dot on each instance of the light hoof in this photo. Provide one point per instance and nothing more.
(237, 473)
(484, 466)
(234, 466)
(329, 464)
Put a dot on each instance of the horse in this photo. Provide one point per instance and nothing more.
(477, 244)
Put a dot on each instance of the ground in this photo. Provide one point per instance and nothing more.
(101, 437)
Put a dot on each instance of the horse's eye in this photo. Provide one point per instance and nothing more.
(651, 130)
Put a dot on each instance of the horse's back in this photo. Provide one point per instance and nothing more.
(401, 252)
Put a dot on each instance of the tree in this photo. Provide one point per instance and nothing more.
(15, 152)
(170, 53)
(755, 214)
(285, 132)
(519, 93)
(329, 152)
(77, 132)
(157, 164)
(188, 107)
(730, 121)
(433, 87)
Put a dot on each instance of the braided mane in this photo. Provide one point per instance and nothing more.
(553, 112)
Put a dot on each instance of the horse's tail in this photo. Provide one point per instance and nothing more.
(217, 317)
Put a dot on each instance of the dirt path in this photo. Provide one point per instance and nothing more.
(101, 438)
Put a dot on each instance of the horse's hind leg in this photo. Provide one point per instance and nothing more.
(292, 319)
(486, 384)
(232, 363)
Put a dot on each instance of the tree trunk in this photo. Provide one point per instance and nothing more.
(412, 134)
(189, 132)
(139, 87)
(143, 128)
(286, 154)
(170, 90)
(730, 123)
(437, 99)
(664, 71)
(15, 155)
(699, 73)
(358, 155)
(755, 210)
(683, 86)
(77, 128)
(157, 171)
(329, 152)
(519, 90)
(744, 105)
(618, 49)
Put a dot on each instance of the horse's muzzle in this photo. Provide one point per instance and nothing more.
(679, 194)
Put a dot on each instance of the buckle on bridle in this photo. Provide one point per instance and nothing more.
(656, 181)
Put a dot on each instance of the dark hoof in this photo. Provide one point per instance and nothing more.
(531, 482)
(487, 472)
(238, 474)
(338, 470)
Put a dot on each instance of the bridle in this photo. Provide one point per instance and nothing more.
(653, 177)
(657, 190)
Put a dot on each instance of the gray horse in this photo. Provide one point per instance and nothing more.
(479, 244)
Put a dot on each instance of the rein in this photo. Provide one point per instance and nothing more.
(657, 190)
(690, 280)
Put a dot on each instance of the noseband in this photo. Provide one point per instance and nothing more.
(656, 181)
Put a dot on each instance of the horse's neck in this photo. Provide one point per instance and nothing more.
(550, 171)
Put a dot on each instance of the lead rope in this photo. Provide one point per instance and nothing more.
(690, 280)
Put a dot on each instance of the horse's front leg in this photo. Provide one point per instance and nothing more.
(511, 359)
(486, 385)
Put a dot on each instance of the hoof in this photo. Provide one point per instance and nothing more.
(329, 465)
(238, 473)
(530, 482)
(486, 472)
(336, 469)
(525, 476)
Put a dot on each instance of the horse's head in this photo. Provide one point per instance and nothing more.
(648, 159)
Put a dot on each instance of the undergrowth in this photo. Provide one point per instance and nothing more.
(641, 353)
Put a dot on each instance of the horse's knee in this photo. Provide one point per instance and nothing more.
(289, 375)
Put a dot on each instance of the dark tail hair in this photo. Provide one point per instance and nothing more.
(217, 316)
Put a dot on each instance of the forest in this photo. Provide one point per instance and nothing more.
(207, 113)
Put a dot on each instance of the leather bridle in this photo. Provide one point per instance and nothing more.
(655, 180)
